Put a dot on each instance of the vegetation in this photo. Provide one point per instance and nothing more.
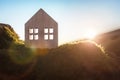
(79, 60)
(8, 36)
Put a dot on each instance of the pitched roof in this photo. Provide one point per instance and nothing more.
(40, 12)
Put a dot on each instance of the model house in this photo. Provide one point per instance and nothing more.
(41, 31)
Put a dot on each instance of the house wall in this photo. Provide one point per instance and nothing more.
(41, 20)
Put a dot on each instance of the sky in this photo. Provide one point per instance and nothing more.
(75, 17)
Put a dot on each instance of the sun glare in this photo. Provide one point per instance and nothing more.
(90, 34)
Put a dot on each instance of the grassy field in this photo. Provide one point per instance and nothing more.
(77, 60)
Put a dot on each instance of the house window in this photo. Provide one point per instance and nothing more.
(51, 37)
(46, 37)
(33, 34)
(31, 37)
(30, 30)
(51, 30)
(36, 37)
(48, 34)
(36, 30)
(46, 30)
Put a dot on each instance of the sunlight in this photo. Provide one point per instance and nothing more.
(89, 34)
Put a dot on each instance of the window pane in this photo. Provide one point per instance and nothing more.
(36, 37)
(30, 30)
(45, 37)
(51, 30)
(30, 37)
(46, 30)
(51, 37)
(36, 30)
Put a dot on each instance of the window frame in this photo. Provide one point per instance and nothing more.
(49, 32)
(34, 33)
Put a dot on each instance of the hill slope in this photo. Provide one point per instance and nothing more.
(111, 42)
(81, 60)
(7, 36)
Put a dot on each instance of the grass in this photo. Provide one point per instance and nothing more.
(81, 60)
(78, 60)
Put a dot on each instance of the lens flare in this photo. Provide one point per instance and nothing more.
(90, 34)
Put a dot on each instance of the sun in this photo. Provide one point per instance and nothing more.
(90, 34)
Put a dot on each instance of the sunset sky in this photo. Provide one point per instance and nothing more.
(75, 17)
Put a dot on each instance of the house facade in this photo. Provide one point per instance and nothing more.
(41, 31)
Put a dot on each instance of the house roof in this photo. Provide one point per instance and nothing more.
(39, 13)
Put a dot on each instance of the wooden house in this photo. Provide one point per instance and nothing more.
(41, 31)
